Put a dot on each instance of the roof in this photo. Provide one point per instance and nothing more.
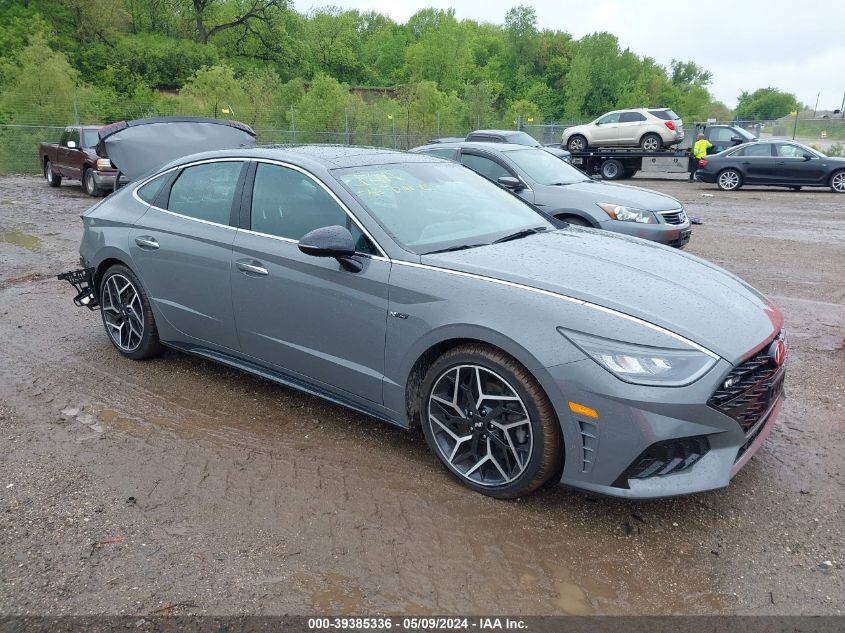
(502, 132)
(499, 147)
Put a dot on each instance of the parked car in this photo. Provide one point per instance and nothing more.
(724, 136)
(74, 157)
(774, 163)
(414, 290)
(652, 129)
(516, 137)
(566, 193)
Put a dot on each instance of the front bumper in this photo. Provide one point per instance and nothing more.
(104, 179)
(632, 419)
(676, 235)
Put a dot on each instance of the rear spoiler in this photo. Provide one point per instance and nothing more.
(139, 146)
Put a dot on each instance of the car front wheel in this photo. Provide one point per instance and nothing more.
(837, 182)
(729, 179)
(489, 422)
(127, 315)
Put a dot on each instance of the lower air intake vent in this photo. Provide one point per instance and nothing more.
(665, 458)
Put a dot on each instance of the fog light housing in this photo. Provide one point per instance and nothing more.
(665, 458)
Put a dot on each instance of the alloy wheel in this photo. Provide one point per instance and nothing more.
(90, 186)
(576, 144)
(651, 144)
(480, 425)
(122, 312)
(729, 180)
(837, 183)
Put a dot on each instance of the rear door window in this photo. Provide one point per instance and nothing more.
(205, 192)
(450, 154)
(631, 117)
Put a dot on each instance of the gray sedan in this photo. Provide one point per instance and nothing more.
(565, 192)
(413, 290)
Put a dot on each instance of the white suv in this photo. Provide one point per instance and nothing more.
(651, 129)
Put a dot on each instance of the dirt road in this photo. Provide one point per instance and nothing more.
(129, 486)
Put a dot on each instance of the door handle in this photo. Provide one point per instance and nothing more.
(252, 268)
(146, 241)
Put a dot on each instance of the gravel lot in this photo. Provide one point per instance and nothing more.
(175, 484)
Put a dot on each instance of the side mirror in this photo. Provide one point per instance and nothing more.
(510, 182)
(71, 145)
(808, 157)
(331, 241)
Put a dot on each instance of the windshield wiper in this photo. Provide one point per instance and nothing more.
(459, 247)
(519, 235)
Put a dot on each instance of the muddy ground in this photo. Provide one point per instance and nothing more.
(128, 487)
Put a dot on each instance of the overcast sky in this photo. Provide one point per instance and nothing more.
(795, 46)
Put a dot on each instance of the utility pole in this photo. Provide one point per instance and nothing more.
(815, 109)
(842, 107)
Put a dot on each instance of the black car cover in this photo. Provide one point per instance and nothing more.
(136, 147)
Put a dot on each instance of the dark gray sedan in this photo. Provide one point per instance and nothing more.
(567, 193)
(413, 290)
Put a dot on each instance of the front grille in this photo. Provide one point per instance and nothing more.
(749, 390)
(665, 458)
(674, 217)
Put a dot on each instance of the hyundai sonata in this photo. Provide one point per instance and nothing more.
(414, 290)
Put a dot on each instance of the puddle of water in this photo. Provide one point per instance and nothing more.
(339, 596)
(24, 240)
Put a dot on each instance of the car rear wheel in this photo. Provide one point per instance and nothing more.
(651, 143)
(53, 179)
(90, 185)
(127, 315)
(489, 422)
(612, 169)
(837, 182)
(577, 143)
(729, 179)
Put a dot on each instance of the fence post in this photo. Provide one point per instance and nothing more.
(293, 124)
(346, 125)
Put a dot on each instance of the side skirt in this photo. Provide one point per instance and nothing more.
(286, 380)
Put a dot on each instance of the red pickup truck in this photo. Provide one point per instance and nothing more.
(74, 158)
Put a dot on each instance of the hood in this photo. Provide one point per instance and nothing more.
(665, 287)
(137, 147)
(600, 191)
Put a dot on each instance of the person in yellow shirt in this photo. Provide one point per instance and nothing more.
(699, 151)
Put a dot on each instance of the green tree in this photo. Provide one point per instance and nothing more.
(212, 90)
(765, 103)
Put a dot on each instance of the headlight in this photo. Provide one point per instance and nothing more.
(643, 365)
(103, 163)
(628, 214)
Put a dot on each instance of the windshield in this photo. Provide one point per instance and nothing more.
(546, 169)
(523, 138)
(428, 207)
(90, 138)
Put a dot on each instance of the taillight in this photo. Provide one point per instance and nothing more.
(670, 125)
(702, 162)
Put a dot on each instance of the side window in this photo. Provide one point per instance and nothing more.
(610, 118)
(721, 135)
(757, 149)
(287, 203)
(205, 192)
(786, 150)
(631, 117)
(149, 191)
(449, 154)
(486, 167)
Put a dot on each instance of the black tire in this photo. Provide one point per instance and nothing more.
(117, 309)
(577, 143)
(89, 184)
(729, 179)
(53, 179)
(612, 169)
(837, 181)
(629, 173)
(530, 417)
(573, 220)
(651, 142)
